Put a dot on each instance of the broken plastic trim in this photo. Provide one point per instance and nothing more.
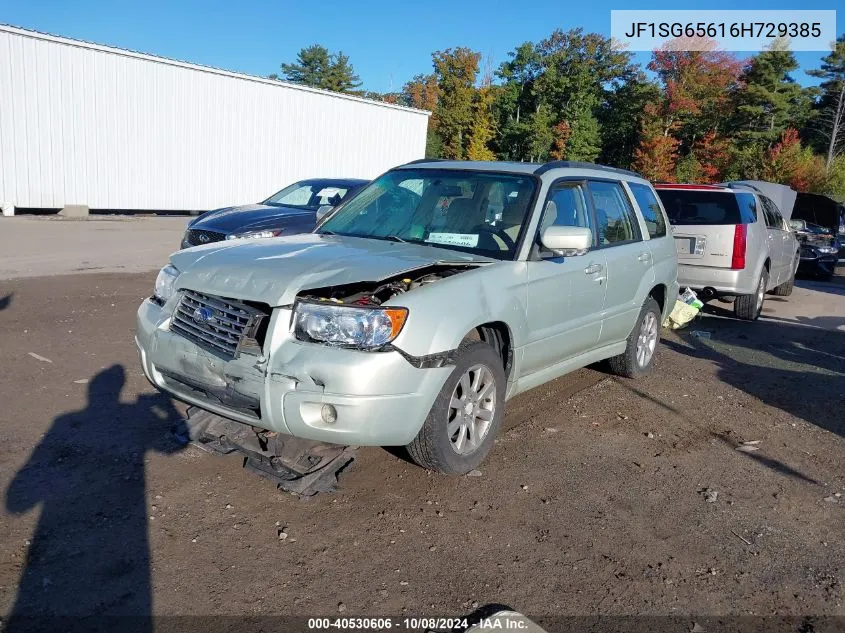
(429, 361)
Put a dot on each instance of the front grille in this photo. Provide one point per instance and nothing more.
(215, 323)
(195, 237)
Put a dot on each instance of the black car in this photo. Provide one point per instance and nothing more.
(819, 249)
(815, 220)
(292, 210)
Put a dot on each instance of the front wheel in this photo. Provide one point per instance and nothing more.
(466, 415)
(749, 307)
(637, 358)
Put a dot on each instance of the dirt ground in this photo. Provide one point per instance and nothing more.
(628, 497)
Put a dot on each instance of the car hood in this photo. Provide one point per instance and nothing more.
(274, 270)
(250, 217)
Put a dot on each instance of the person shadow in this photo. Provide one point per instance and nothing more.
(88, 563)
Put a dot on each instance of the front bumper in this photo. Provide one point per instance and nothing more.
(380, 398)
(822, 264)
(724, 280)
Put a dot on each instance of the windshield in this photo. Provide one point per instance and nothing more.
(476, 212)
(309, 195)
(685, 206)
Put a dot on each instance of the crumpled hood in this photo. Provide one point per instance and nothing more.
(274, 270)
(251, 217)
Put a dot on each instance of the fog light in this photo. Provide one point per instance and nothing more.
(329, 414)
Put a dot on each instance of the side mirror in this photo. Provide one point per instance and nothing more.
(567, 240)
(323, 211)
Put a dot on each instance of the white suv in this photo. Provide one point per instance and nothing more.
(732, 242)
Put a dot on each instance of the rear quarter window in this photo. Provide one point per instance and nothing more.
(650, 208)
(688, 206)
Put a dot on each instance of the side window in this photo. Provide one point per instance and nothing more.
(650, 208)
(747, 207)
(771, 213)
(566, 206)
(615, 221)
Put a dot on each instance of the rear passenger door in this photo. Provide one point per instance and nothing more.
(661, 242)
(627, 258)
(775, 239)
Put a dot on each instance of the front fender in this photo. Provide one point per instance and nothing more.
(442, 313)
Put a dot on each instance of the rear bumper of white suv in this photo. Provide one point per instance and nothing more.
(725, 281)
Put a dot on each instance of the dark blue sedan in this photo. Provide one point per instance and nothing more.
(292, 210)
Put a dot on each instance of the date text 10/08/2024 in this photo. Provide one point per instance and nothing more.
(500, 622)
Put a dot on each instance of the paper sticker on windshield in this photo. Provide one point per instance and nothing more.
(466, 240)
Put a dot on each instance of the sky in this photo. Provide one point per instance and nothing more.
(387, 42)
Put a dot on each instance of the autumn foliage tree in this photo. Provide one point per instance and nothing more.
(789, 163)
(656, 156)
(561, 133)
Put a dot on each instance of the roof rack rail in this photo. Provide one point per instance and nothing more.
(559, 164)
(425, 160)
(736, 184)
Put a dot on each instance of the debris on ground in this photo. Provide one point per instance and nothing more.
(832, 499)
(298, 466)
(82, 381)
(701, 334)
(710, 495)
(474, 473)
(748, 447)
(43, 359)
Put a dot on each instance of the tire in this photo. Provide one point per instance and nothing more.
(749, 307)
(641, 348)
(785, 289)
(434, 448)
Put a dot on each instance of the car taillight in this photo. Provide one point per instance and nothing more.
(738, 257)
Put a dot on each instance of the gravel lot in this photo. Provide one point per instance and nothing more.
(604, 496)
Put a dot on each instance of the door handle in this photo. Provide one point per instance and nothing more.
(592, 269)
(644, 257)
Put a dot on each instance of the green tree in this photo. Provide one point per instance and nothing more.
(456, 71)
(572, 74)
(768, 99)
(585, 136)
(829, 122)
(316, 67)
(620, 119)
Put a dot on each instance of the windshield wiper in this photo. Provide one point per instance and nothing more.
(395, 238)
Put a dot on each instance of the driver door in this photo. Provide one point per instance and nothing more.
(565, 295)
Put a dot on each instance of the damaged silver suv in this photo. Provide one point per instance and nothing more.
(418, 307)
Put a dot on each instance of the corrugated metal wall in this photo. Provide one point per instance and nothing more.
(86, 124)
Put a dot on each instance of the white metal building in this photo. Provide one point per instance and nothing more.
(114, 129)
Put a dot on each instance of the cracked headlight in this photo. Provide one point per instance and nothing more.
(348, 326)
(166, 283)
(263, 233)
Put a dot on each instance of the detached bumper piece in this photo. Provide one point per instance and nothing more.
(299, 466)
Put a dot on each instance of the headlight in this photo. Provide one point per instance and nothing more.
(827, 250)
(348, 326)
(166, 283)
(255, 234)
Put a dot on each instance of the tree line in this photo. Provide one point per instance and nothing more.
(699, 116)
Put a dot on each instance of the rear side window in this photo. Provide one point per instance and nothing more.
(615, 221)
(650, 208)
(688, 206)
(774, 220)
